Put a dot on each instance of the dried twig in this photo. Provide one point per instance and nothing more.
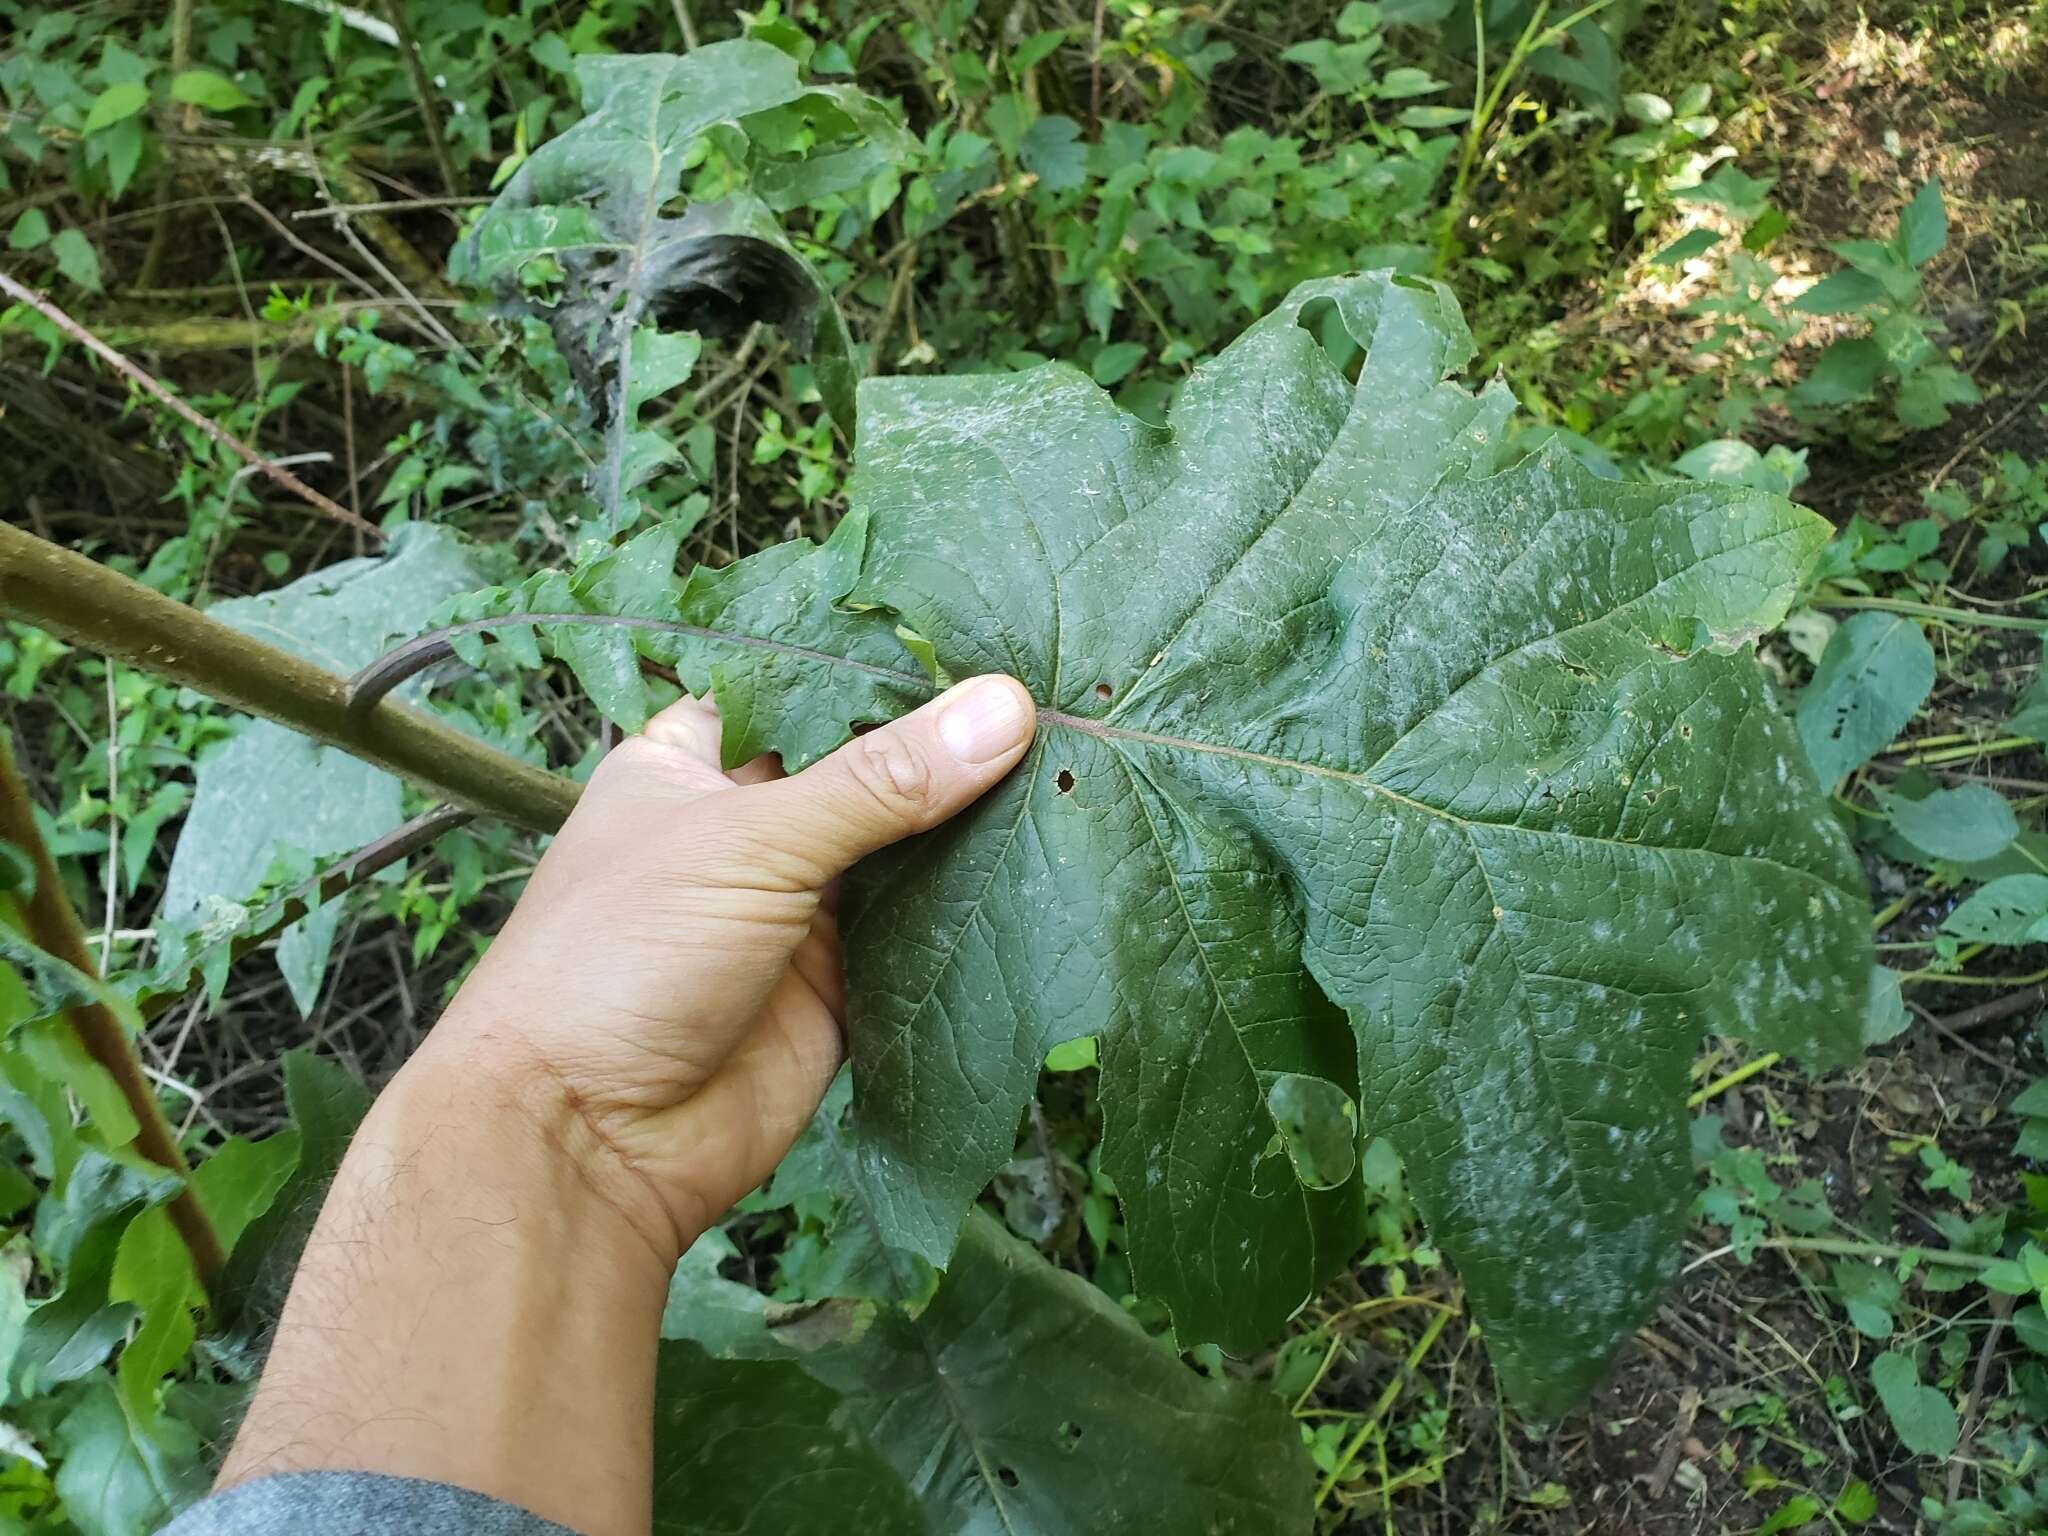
(1997, 1009)
(43, 306)
(2001, 1308)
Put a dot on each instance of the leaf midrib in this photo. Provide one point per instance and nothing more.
(1102, 730)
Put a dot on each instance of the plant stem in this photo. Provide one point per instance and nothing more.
(86, 604)
(186, 120)
(181, 56)
(1957, 979)
(241, 450)
(401, 843)
(53, 927)
(1934, 611)
(1741, 1074)
(423, 95)
(1386, 1401)
(1486, 103)
(1974, 749)
(1841, 1247)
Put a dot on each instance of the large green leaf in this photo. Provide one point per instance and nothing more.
(1346, 716)
(269, 791)
(745, 1446)
(1021, 1400)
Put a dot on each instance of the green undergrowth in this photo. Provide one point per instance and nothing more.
(1765, 247)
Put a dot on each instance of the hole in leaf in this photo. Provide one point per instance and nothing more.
(1321, 318)
(1685, 731)
(1104, 691)
(1065, 780)
(1007, 1476)
(1069, 1434)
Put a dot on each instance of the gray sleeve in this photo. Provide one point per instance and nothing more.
(355, 1504)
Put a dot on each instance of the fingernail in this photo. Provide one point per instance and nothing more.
(983, 720)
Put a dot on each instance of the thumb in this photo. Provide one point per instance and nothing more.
(904, 777)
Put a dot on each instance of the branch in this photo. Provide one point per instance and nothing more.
(53, 927)
(400, 843)
(88, 605)
(241, 450)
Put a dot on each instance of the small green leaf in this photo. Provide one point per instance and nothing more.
(1886, 1018)
(115, 104)
(1848, 371)
(1925, 397)
(1870, 1293)
(30, 230)
(1053, 152)
(2033, 1100)
(1400, 84)
(2007, 1277)
(238, 1183)
(1872, 677)
(1856, 1502)
(1923, 227)
(77, 260)
(1724, 460)
(1036, 49)
(1740, 196)
(1923, 1418)
(2007, 910)
(1967, 823)
(1646, 108)
(204, 88)
(1791, 1515)
(1695, 242)
(1845, 293)
(2030, 1327)
(1073, 1055)
(1115, 361)
(1432, 117)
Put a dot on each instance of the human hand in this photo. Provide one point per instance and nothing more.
(666, 1001)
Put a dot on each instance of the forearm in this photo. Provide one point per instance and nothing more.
(468, 1310)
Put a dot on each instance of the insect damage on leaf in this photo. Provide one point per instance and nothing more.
(592, 234)
(1433, 782)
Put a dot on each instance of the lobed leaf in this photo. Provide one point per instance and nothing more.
(1370, 756)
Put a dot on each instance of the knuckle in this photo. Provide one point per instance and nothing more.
(896, 771)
